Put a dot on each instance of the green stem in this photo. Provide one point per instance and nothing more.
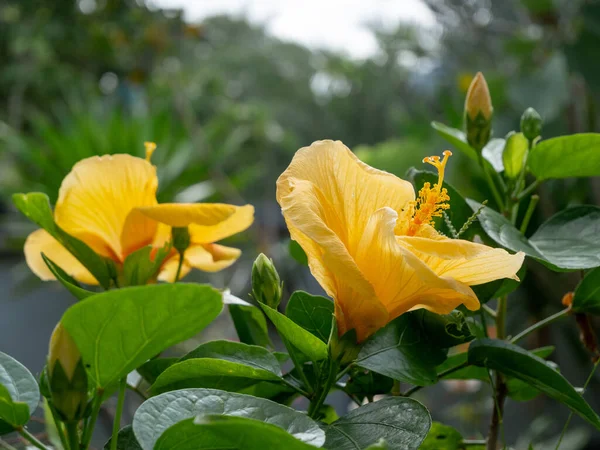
(323, 391)
(59, 428)
(72, 434)
(528, 190)
(297, 364)
(468, 442)
(118, 413)
(89, 429)
(440, 375)
(179, 265)
(501, 318)
(344, 372)
(533, 201)
(296, 388)
(489, 311)
(6, 445)
(542, 323)
(491, 184)
(31, 438)
(589, 378)
(499, 386)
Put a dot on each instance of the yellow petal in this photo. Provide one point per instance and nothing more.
(138, 231)
(402, 281)
(349, 190)
(40, 242)
(207, 222)
(465, 261)
(205, 257)
(96, 197)
(357, 306)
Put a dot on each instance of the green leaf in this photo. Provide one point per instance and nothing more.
(294, 334)
(36, 207)
(237, 352)
(119, 330)
(311, 312)
(492, 152)
(227, 433)
(141, 266)
(566, 241)
(442, 437)
(251, 325)
(455, 137)
(586, 298)
(19, 394)
(379, 445)
(514, 155)
(576, 155)
(516, 362)
(211, 373)
(402, 351)
(159, 413)
(297, 253)
(499, 288)
(367, 384)
(125, 440)
(67, 280)
(150, 370)
(401, 422)
(459, 212)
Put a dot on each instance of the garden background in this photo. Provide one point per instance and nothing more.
(229, 98)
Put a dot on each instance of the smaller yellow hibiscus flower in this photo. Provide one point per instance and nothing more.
(371, 244)
(109, 202)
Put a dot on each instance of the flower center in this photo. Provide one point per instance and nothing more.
(431, 201)
(150, 147)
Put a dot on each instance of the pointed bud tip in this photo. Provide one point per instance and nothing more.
(266, 285)
(478, 100)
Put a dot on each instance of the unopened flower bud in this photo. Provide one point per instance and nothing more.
(478, 113)
(531, 124)
(181, 238)
(266, 285)
(67, 379)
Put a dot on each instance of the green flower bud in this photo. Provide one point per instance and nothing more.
(531, 124)
(67, 379)
(478, 113)
(181, 238)
(266, 285)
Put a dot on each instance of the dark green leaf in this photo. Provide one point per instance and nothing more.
(119, 330)
(455, 137)
(67, 280)
(251, 325)
(226, 432)
(587, 294)
(294, 334)
(211, 373)
(442, 437)
(402, 422)
(577, 155)
(125, 440)
(161, 412)
(568, 240)
(298, 253)
(514, 154)
(36, 207)
(142, 265)
(516, 362)
(150, 370)
(402, 351)
(444, 330)
(237, 352)
(311, 312)
(499, 288)
(365, 383)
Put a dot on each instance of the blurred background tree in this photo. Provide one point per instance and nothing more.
(228, 104)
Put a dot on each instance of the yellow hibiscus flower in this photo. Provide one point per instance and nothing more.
(371, 244)
(109, 202)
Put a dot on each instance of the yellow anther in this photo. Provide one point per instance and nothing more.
(432, 200)
(150, 147)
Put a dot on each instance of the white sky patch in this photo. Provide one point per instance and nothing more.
(341, 25)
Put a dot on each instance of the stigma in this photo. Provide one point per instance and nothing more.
(150, 147)
(432, 201)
